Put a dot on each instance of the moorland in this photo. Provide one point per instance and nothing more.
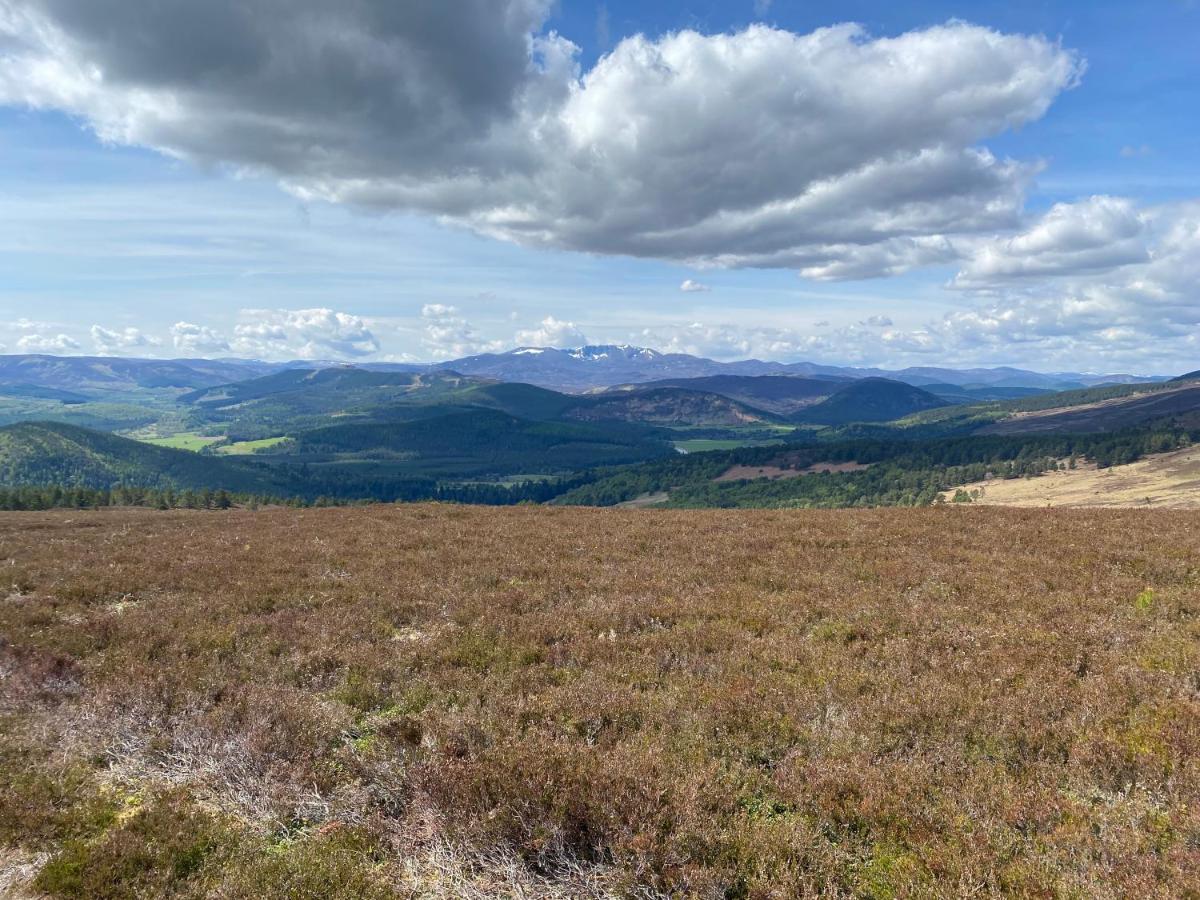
(450, 701)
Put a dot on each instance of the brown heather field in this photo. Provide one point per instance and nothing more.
(425, 701)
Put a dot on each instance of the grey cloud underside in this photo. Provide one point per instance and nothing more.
(833, 153)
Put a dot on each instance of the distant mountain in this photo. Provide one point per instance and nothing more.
(955, 393)
(605, 365)
(573, 370)
(107, 373)
(596, 366)
(870, 400)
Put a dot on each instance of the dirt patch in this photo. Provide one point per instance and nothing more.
(775, 473)
(646, 500)
(18, 868)
(1168, 480)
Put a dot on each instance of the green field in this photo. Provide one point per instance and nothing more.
(242, 448)
(699, 445)
(185, 440)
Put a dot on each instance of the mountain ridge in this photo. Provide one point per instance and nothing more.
(574, 370)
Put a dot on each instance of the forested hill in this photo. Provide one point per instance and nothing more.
(53, 453)
(864, 472)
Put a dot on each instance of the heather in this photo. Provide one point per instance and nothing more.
(435, 700)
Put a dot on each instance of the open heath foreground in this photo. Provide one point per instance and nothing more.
(440, 701)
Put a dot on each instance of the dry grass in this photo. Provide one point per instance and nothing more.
(1167, 480)
(453, 702)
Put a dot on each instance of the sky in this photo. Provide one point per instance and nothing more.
(926, 183)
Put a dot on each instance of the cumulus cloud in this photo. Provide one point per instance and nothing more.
(1094, 235)
(693, 287)
(197, 340)
(552, 332)
(448, 335)
(690, 147)
(1109, 278)
(303, 334)
(111, 342)
(1096, 280)
(47, 343)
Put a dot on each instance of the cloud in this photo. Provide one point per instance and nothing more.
(304, 334)
(47, 343)
(693, 287)
(1096, 280)
(109, 342)
(197, 340)
(762, 7)
(1094, 235)
(1131, 152)
(552, 332)
(688, 147)
(449, 336)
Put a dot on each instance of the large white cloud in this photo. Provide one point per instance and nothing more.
(110, 341)
(303, 334)
(191, 339)
(48, 343)
(835, 153)
(1094, 235)
(447, 335)
(1096, 279)
(552, 332)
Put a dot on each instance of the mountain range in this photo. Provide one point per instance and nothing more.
(572, 370)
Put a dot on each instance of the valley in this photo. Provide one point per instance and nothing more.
(345, 434)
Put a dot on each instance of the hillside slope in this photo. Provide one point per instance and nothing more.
(668, 406)
(475, 442)
(870, 400)
(1164, 481)
(778, 394)
(1181, 402)
(37, 453)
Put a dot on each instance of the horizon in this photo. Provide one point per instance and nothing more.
(989, 185)
(299, 362)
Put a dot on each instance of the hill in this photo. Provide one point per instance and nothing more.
(1162, 481)
(778, 394)
(52, 453)
(870, 400)
(668, 406)
(482, 442)
(1180, 402)
(106, 374)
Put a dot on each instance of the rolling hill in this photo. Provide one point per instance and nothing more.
(37, 453)
(107, 374)
(1175, 402)
(668, 406)
(483, 442)
(870, 400)
(778, 394)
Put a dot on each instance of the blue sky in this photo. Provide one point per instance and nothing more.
(151, 227)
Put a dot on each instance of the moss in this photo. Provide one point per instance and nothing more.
(161, 849)
(41, 809)
(339, 863)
